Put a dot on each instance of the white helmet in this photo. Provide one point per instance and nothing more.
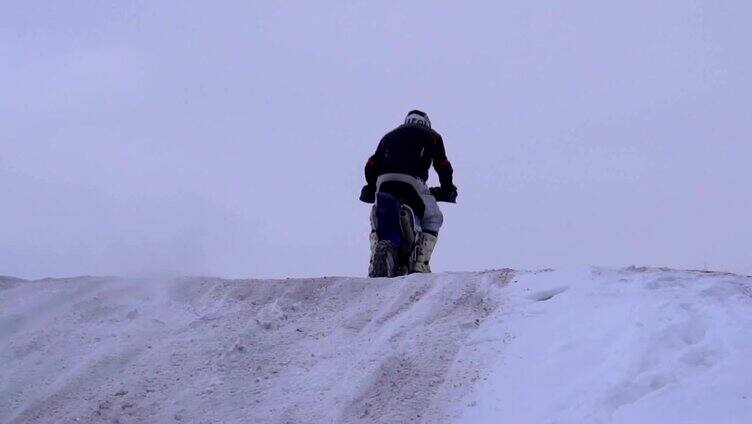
(418, 117)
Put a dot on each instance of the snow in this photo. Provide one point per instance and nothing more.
(594, 345)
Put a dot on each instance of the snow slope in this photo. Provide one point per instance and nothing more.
(572, 346)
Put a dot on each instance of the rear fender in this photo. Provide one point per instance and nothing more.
(387, 218)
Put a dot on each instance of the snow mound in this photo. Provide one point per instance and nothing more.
(586, 345)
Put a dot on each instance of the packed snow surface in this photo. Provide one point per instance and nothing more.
(574, 346)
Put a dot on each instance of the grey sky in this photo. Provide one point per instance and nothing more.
(229, 138)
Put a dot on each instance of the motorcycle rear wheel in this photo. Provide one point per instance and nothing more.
(384, 262)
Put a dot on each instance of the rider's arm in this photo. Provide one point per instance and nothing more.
(442, 165)
(372, 166)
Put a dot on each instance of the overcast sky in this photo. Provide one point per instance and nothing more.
(229, 138)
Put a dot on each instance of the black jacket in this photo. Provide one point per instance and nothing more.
(410, 149)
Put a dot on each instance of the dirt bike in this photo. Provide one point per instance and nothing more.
(397, 226)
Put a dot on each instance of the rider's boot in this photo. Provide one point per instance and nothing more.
(422, 252)
(374, 239)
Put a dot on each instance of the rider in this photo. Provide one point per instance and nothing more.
(405, 154)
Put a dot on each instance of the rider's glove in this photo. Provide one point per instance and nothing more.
(450, 194)
(368, 194)
(445, 194)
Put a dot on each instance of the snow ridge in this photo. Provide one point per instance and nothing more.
(586, 345)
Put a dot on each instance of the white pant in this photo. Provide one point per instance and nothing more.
(432, 216)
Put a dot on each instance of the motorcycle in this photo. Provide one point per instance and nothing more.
(396, 227)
